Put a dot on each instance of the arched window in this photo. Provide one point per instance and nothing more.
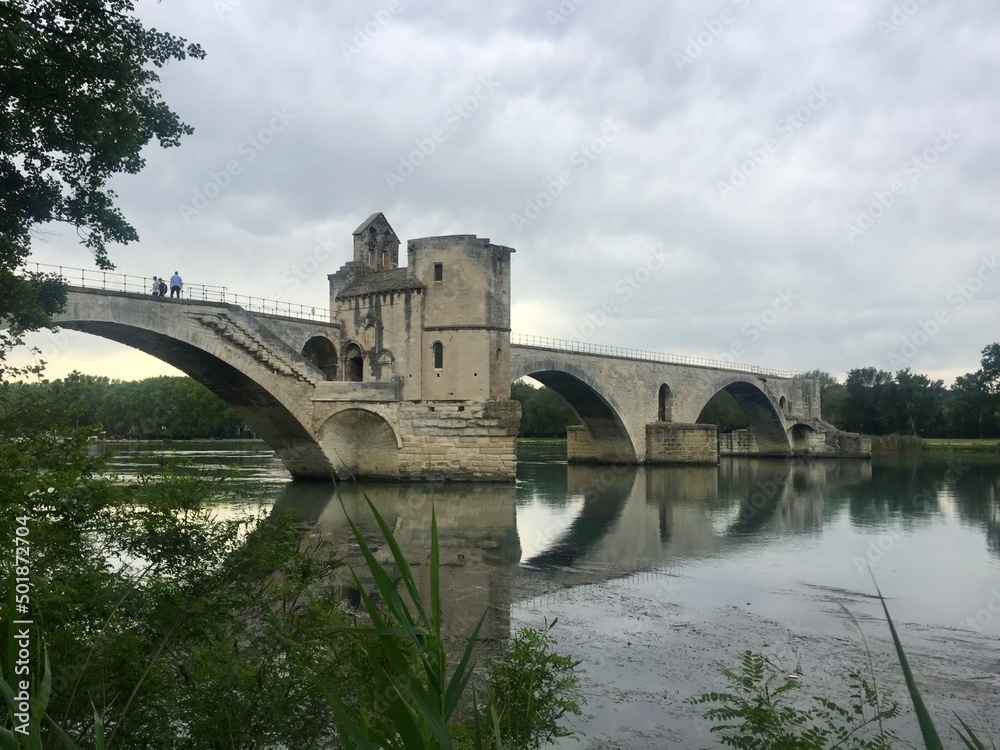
(438, 349)
(783, 403)
(665, 404)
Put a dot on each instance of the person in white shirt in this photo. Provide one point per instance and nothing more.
(155, 288)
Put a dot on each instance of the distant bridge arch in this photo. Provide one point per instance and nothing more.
(762, 409)
(598, 410)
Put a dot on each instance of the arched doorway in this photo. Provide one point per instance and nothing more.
(354, 363)
(321, 352)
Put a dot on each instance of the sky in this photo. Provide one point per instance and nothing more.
(799, 186)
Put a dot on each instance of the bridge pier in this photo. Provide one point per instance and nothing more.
(583, 448)
(678, 443)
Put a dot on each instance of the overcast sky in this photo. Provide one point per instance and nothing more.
(800, 186)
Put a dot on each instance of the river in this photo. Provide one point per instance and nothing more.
(656, 576)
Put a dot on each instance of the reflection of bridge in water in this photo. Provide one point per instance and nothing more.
(612, 522)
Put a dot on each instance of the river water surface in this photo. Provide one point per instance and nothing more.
(658, 575)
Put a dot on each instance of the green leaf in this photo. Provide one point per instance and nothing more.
(969, 739)
(927, 730)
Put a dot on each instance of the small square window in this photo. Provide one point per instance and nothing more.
(438, 271)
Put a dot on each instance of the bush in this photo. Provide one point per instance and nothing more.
(757, 713)
(533, 688)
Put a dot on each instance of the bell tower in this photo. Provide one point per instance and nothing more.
(376, 246)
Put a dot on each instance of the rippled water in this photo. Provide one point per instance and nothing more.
(656, 574)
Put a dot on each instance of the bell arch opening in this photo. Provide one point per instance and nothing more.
(320, 351)
(746, 413)
(360, 443)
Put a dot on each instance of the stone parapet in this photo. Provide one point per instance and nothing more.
(343, 390)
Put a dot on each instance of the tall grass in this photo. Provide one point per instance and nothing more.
(896, 443)
(932, 740)
(527, 695)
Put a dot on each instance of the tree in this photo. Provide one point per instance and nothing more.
(544, 413)
(991, 369)
(868, 395)
(976, 397)
(918, 401)
(78, 102)
(972, 406)
(724, 412)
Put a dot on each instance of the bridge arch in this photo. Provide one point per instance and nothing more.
(263, 380)
(361, 442)
(597, 410)
(762, 410)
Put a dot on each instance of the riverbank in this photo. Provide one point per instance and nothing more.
(912, 443)
(986, 445)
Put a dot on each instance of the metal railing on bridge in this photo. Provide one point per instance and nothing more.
(583, 347)
(112, 281)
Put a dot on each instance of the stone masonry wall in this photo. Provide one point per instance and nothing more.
(459, 440)
(670, 442)
(849, 444)
(738, 443)
(579, 446)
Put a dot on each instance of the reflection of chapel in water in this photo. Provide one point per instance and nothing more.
(617, 522)
(477, 536)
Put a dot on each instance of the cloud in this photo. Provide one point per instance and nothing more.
(362, 86)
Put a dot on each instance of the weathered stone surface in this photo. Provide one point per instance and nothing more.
(675, 443)
(738, 443)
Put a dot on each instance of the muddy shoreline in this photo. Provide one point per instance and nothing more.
(649, 641)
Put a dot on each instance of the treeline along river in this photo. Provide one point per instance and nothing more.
(657, 575)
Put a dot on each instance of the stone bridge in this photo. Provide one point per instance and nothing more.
(636, 409)
(408, 375)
